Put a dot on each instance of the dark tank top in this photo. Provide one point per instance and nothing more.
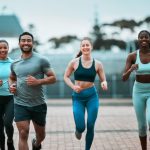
(85, 74)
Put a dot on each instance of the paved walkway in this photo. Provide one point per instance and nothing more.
(116, 127)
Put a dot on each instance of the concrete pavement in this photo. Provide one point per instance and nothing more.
(116, 127)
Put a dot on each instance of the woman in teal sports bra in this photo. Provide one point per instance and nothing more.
(85, 97)
(139, 61)
(6, 99)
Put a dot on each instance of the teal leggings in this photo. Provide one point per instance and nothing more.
(141, 102)
(86, 100)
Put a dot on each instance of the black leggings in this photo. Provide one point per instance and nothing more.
(6, 117)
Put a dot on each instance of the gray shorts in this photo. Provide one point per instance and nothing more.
(35, 113)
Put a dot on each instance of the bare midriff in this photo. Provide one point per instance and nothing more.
(143, 78)
(84, 84)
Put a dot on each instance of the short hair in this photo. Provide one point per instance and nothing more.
(142, 32)
(1, 41)
(26, 33)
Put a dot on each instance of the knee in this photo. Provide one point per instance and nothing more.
(23, 134)
(80, 128)
(90, 126)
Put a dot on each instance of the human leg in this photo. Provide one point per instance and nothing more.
(79, 117)
(92, 111)
(140, 109)
(139, 103)
(38, 114)
(23, 128)
(8, 122)
(2, 135)
(22, 119)
(40, 136)
(148, 112)
(8, 119)
(143, 141)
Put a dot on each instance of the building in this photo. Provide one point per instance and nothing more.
(10, 26)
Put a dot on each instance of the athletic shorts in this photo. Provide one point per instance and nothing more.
(36, 113)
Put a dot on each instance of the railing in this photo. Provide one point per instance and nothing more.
(116, 88)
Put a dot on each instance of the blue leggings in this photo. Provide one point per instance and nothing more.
(86, 99)
(141, 102)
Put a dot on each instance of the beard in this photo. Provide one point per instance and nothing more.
(26, 51)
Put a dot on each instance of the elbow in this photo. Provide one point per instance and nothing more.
(65, 78)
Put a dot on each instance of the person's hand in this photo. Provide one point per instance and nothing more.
(104, 85)
(77, 88)
(13, 88)
(1, 82)
(134, 67)
(32, 81)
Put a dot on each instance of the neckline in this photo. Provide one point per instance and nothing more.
(140, 59)
(85, 67)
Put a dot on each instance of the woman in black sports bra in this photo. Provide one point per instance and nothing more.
(85, 95)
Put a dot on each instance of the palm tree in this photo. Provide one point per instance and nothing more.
(147, 20)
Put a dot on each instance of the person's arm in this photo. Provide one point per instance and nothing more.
(50, 79)
(47, 70)
(101, 74)
(68, 73)
(1, 82)
(12, 83)
(130, 66)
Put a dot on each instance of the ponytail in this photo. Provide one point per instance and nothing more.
(79, 54)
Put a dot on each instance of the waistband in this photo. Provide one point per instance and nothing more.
(141, 87)
(86, 92)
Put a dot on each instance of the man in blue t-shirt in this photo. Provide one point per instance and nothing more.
(26, 80)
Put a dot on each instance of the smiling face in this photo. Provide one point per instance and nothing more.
(26, 43)
(3, 50)
(144, 39)
(86, 47)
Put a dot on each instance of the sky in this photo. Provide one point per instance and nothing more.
(56, 18)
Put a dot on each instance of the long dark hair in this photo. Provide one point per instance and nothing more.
(85, 38)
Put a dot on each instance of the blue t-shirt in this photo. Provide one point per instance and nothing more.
(4, 75)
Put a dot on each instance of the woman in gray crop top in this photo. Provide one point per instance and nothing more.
(85, 95)
(139, 61)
